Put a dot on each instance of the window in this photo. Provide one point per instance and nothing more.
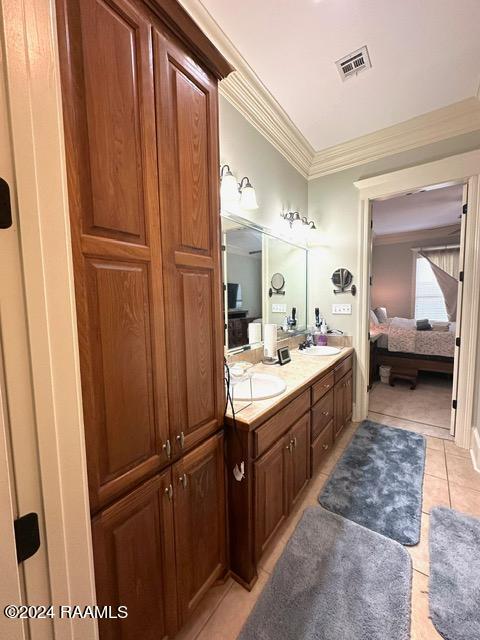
(429, 301)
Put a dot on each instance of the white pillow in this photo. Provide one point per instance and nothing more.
(373, 318)
(381, 313)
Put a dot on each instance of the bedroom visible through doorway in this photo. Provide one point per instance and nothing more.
(415, 304)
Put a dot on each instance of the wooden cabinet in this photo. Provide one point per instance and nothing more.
(134, 555)
(271, 504)
(139, 84)
(343, 397)
(298, 460)
(280, 452)
(200, 513)
(280, 476)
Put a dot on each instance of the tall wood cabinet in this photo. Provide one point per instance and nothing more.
(139, 84)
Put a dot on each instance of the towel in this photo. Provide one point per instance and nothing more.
(440, 326)
(424, 325)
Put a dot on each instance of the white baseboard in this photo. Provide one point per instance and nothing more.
(475, 449)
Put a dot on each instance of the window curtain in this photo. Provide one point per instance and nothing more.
(445, 266)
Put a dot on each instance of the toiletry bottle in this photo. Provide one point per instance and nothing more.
(323, 334)
(316, 330)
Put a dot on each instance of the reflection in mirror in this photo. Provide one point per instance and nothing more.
(265, 282)
(243, 269)
(289, 310)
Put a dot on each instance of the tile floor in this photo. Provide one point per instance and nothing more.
(450, 480)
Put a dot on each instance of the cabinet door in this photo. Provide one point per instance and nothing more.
(187, 124)
(134, 558)
(348, 398)
(339, 407)
(200, 522)
(111, 153)
(271, 505)
(298, 472)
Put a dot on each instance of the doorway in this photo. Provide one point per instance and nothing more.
(415, 307)
(459, 169)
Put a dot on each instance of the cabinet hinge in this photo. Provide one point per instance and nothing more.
(465, 209)
(224, 248)
(457, 342)
(371, 223)
(371, 280)
(460, 276)
(27, 536)
(454, 404)
(5, 206)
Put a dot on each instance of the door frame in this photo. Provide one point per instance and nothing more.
(34, 97)
(460, 168)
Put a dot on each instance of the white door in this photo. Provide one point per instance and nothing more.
(461, 267)
(370, 281)
(10, 584)
(20, 486)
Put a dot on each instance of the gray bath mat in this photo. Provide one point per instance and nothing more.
(378, 482)
(335, 580)
(454, 589)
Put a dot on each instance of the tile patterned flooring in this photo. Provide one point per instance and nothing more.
(450, 480)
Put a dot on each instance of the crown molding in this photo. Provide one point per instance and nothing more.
(453, 120)
(419, 235)
(246, 92)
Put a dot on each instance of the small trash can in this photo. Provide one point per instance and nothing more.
(385, 373)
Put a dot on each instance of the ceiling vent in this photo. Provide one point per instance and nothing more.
(353, 63)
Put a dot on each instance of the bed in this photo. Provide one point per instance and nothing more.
(401, 346)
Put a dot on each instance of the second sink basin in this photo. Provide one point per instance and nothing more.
(264, 386)
(320, 351)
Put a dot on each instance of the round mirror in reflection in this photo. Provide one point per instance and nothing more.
(277, 281)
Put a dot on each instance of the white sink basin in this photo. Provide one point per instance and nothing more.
(319, 351)
(264, 386)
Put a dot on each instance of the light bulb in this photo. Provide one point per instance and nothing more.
(248, 199)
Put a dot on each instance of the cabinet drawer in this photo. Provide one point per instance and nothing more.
(343, 368)
(322, 413)
(276, 426)
(322, 387)
(321, 446)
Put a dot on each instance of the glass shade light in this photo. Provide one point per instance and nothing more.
(248, 198)
(228, 185)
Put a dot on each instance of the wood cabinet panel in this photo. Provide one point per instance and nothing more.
(124, 429)
(187, 122)
(134, 557)
(344, 367)
(322, 387)
(192, 117)
(200, 521)
(111, 151)
(116, 75)
(321, 446)
(343, 399)
(276, 426)
(322, 413)
(271, 506)
(348, 397)
(298, 472)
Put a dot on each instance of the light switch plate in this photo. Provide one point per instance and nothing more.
(279, 308)
(342, 309)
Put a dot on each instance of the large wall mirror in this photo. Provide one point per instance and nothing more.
(266, 282)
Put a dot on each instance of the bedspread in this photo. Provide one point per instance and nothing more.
(399, 335)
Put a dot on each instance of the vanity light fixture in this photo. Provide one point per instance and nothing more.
(294, 216)
(248, 199)
(228, 185)
(231, 191)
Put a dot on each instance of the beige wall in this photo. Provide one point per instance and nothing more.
(277, 184)
(393, 277)
(333, 204)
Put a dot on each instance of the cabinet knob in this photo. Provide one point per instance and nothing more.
(293, 442)
(181, 440)
(183, 480)
(167, 447)
(325, 446)
(325, 413)
(169, 491)
(289, 446)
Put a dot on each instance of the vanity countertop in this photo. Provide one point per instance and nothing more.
(298, 374)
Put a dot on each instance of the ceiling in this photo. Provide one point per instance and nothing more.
(422, 210)
(425, 55)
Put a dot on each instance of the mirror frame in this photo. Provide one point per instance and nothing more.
(267, 232)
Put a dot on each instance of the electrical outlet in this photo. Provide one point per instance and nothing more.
(342, 309)
(279, 308)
